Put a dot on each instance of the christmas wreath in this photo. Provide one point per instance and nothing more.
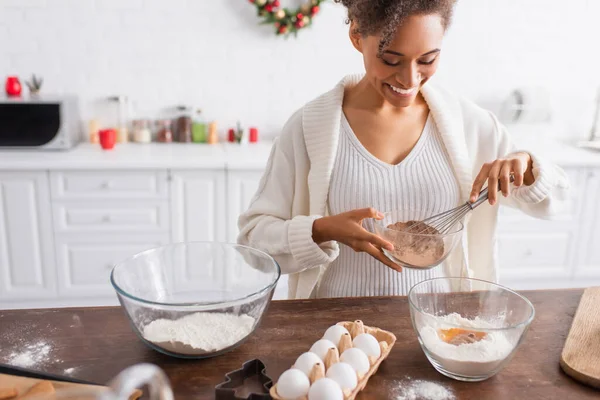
(286, 20)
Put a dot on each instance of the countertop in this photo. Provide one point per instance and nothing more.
(141, 156)
(223, 155)
(95, 344)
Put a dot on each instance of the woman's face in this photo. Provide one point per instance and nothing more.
(407, 63)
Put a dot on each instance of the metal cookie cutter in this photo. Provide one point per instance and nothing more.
(234, 382)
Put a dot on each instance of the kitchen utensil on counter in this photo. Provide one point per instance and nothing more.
(468, 329)
(13, 86)
(580, 357)
(250, 382)
(108, 137)
(528, 105)
(125, 386)
(345, 351)
(415, 248)
(6, 369)
(197, 299)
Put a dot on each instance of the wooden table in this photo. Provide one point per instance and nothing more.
(97, 343)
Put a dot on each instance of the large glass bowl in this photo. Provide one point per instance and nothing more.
(469, 329)
(416, 250)
(195, 300)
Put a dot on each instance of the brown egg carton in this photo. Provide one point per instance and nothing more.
(386, 341)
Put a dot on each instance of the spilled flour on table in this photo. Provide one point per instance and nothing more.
(69, 371)
(423, 390)
(32, 355)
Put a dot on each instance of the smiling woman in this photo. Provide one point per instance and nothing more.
(389, 140)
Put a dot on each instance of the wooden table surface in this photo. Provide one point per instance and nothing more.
(96, 343)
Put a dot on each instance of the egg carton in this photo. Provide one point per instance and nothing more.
(386, 341)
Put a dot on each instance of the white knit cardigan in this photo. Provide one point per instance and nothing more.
(294, 188)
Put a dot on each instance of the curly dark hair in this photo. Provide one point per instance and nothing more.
(384, 16)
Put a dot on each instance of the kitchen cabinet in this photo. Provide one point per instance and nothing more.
(198, 213)
(85, 262)
(535, 253)
(65, 220)
(588, 253)
(27, 264)
(241, 188)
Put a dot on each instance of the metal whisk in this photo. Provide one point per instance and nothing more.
(444, 222)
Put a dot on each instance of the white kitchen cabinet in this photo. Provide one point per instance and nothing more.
(86, 261)
(540, 254)
(241, 188)
(109, 184)
(587, 269)
(198, 214)
(27, 262)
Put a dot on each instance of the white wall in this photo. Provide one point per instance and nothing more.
(215, 55)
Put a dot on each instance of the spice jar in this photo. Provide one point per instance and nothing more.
(213, 137)
(164, 131)
(198, 128)
(184, 126)
(141, 132)
(93, 128)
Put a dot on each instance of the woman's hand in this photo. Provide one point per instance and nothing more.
(347, 228)
(518, 164)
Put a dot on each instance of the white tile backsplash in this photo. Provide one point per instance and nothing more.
(215, 55)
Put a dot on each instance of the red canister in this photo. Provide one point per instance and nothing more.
(253, 135)
(13, 86)
(108, 137)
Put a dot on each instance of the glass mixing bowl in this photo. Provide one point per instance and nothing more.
(416, 250)
(469, 329)
(195, 300)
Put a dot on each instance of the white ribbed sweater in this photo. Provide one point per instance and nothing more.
(424, 180)
(293, 191)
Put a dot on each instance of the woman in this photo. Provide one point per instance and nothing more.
(383, 141)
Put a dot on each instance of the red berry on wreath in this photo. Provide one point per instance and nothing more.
(299, 16)
(276, 3)
(282, 29)
(299, 23)
(314, 10)
(269, 8)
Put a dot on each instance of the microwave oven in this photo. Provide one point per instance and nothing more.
(47, 123)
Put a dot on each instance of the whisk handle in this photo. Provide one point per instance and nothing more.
(483, 195)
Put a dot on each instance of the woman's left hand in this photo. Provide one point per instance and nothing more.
(518, 164)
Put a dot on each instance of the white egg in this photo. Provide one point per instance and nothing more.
(325, 389)
(344, 375)
(368, 344)
(306, 362)
(357, 360)
(334, 334)
(321, 347)
(293, 384)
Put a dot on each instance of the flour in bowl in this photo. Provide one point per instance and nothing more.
(199, 333)
(464, 352)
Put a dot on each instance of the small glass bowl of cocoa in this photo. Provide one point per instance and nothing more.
(416, 244)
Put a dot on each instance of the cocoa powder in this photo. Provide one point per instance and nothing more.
(416, 243)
